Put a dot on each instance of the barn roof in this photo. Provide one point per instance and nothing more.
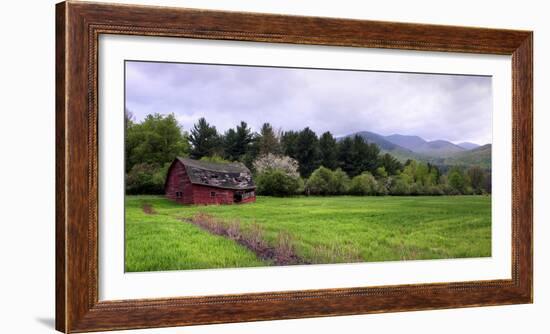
(233, 175)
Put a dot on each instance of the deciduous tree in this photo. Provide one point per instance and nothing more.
(267, 141)
(158, 139)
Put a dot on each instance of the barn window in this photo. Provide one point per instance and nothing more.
(212, 194)
(178, 194)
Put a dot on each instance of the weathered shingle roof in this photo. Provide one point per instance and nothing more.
(233, 175)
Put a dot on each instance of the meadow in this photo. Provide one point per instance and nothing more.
(160, 234)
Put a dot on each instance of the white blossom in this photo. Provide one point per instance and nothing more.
(281, 162)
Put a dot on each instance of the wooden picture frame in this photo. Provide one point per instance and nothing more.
(78, 26)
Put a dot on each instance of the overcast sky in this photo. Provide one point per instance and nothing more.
(451, 107)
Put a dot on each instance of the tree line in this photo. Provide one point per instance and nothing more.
(287, 162)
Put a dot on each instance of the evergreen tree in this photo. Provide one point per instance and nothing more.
(204, 140)
(288, 143)
(237, 142)
(370, 159)
(361, 157)
(390, 164)
(359, 151)
(229, 144)
(244, 139)
(328, 150)
(345, 158)
(307, 151)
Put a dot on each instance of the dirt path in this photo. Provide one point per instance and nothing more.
(148, 209)
(281, 254)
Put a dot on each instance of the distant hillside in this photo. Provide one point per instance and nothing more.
(386, 146)
(435, 149)
(380, 140)
(480, 156)
(439, 152)
(440, 149)
(409, 142)
(468, 146)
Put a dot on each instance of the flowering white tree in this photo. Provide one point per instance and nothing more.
(277, 162)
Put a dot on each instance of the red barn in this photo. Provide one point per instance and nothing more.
(198, 182)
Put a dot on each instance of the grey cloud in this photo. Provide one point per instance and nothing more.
(452, 107)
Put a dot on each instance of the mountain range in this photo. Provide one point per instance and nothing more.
(440, 152)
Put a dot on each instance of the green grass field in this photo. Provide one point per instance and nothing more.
(322, 229)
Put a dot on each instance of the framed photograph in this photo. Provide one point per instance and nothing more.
(224, 167)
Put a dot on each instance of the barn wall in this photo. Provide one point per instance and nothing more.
(179, 181)
(248, 200)
(203, 195)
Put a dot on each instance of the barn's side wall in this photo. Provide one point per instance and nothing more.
(203, 195)
(178, 181)
(249, 199)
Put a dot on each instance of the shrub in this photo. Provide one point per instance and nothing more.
(319, 181)
(280, 162)
(340, 182)
(435, 190)
(457, 180)
(276, 182)
(416, 189)
(383, 187)
(323, 181)
(364, 184)
(399, 187)
(468, 191)
(146, 178)
(381, 172)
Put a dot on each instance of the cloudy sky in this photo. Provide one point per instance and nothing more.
(451, 107)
